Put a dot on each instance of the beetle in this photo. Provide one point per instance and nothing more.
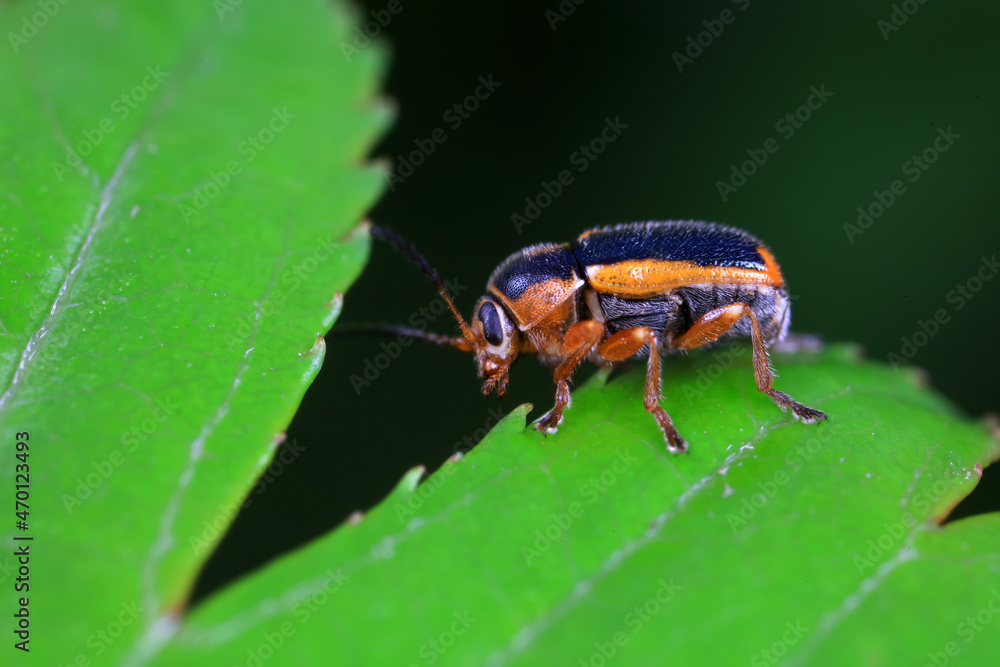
(628, 291)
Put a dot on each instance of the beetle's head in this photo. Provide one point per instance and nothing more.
(496, 342)
(493, 336)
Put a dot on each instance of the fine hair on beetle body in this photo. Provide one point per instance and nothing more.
(628, 291)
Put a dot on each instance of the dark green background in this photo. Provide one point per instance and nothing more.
(939, 70)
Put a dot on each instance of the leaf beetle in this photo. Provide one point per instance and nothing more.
(628, 291)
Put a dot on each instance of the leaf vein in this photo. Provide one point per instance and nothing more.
(528, 634)
(829, 621)
(31, 348)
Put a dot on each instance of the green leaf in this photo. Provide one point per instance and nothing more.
(180, 182)
(771, 541)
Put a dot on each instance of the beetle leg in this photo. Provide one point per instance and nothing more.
(579, 340)
(623, 345)
(714, 323)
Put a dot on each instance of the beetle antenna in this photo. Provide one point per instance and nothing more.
(392, 237)
(391, 330)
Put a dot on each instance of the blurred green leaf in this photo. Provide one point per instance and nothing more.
(180, 182)
(772, 541)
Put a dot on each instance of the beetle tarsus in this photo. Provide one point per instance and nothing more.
(675, 443)
(550, 422)
(808, 415)
(803, 413)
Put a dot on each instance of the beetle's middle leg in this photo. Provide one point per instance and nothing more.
(623, 345)
(716, 322)
(579, 340)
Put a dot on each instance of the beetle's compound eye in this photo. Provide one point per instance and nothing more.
(492, 327)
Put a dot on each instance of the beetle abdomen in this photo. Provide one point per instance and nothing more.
(770, 305)
(640, 260)
(673, 314)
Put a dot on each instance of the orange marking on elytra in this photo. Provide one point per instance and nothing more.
(650, 277)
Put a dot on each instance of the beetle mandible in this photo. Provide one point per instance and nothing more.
(627, 291)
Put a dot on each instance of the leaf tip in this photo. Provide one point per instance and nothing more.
(854, 351)
(318, 348)
(383, 107)
(520, 413)
(381, 164)
(335, 305)
(411, 479)
(991, 421)
(359, 231)
(920, 378)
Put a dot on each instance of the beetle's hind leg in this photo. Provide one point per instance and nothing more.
(623, 345)
(714, 323)
(578, 342)
(764, 375)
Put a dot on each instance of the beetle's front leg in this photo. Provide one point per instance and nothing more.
(579, 340)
